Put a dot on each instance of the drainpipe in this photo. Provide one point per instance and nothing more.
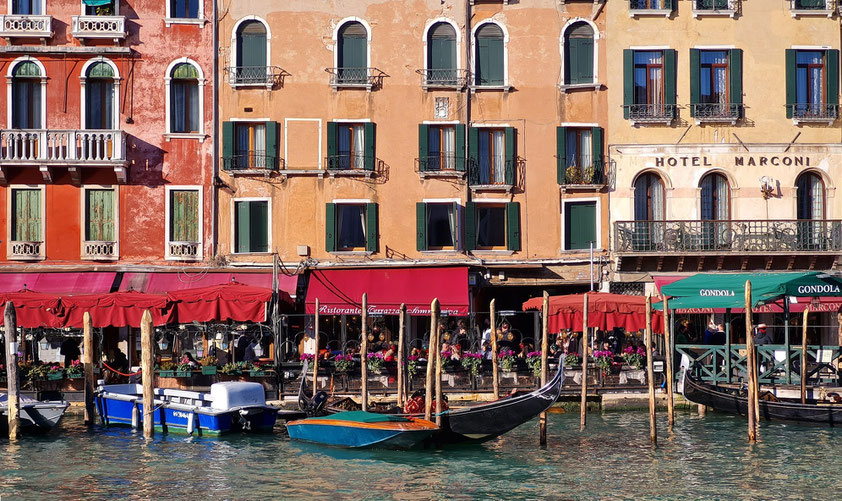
(215, 143)
(469, 67)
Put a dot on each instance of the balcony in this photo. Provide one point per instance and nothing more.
(252, 162)
(444, 79)
(813, 112)
(716, 112)
(359, 78)
(582, 171)
(256, 76)
(99, 27)
(649, 8)
(715, 8)
(351, 164)
(495, 174)
(26, 251)
(650, 113)
(813, 7)
(99, 251)
(184, 251)
(441, 165)
(26, 26)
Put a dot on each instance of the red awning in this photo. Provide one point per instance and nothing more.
(340, 292)
(117, 309)
(163, 283)
(34, 309)
(662, 280)
(605, 312)
(58, 283)
(232, 301)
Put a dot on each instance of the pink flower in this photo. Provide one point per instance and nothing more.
(641, 351)
(629, 349)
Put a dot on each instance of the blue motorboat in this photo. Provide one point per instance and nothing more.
(362, 429)
(228, 407)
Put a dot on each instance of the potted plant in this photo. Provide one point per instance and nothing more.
(34, 372)
(183, 370)
(343, 363)
(208, 364)
(257, 370)
(533, 360)
(75, 371)
(166, 369)
(634, 358)
(572, 360)
(507, 360)
(572, 174)
(374, 362)
(232, 368)
(412, 366)
(55, 372)
(307, 357)
(603, 359)
(472, 362)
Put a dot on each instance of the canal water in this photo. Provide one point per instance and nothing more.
(704, 458)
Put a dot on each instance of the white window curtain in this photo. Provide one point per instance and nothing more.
(448, 143)
(721, 186)
(817, 202)
(657, 212)
(585, 152)
(499, 159)
(656, 86)
(451, 215)
(359, 147)
(260, 145)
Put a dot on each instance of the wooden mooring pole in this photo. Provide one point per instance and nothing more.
(11, 329)
(650, 372)
(804, 356)
(545, 310)
(88, 360)
(431, 359)
(147, 372)
(751, 368)
(437, 351)
(401, 356)
(495, 361)
(583, 412)
(670, 370)
(316, 354)
(364, 354)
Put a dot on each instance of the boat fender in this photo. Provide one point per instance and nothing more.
(191, 422)
(135, 416)
(245, 424)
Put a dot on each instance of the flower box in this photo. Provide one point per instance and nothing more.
(75, 376)
(55, 376)
(183, 373)
(208, 371)
(166, 373)
(257, 373)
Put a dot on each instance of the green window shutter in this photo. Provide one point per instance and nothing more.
(272, 154)
(497, 68)
(579, 225)
(370, 151)
(628, 81)
(513, 226)
(423, 146)
(421, 226)
(832, 67)
(579, 60)
(670, 74)
(460, 147)
(470, 226)
(184, 216)
(561, 154)
(331, 144)
(228, 139)
(695, 88)
(511, 155)
(330, 227)
(597, 152)
(735, 70)
(790, 81)
(371, 227)
(473, 147)
(100, 215)
(242, 228)
(259, 226)
(27, 213)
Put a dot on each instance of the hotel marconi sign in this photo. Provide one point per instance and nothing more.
(734, 160)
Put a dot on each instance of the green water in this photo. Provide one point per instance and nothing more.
(704, 458)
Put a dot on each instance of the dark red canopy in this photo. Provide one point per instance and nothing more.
(116, 309)
(232, 301)
(34, 309)
(605, 311)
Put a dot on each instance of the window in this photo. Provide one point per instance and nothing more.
(184, 9)
(351, 227)
(489, 56)
(810, 209)
(491, 226)
(648, 212)
(184, 99)
(651, 4)
(810, 5)
(812, 84)
(350, 146)
(26, 215)
(437, 225)
(649, 85)
(712, 4)
(27, 96)
(493, 156)
(99, 96)
(441, 55)
(100, 215)
(251, 226)
(716, 86)
(579, 54)
(184, 216)
(250, 146)
(251, 53)
(715, 197)
(352, 54)
(101, 7)
(27, 7)
(579, 151)
(580, 225)
(441, 147)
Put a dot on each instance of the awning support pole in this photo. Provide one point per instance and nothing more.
(787, 340)
(727, 345)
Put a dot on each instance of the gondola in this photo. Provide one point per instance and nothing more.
(735, 401)
(482, 422)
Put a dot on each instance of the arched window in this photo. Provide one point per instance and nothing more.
(26, 96)
(716, 197)
(441, 54)
(579, 54)
(649, 212)
(251, 53)
(810, 196)
(489, 67)
(352, 55)
(99, 96)
(184, 99)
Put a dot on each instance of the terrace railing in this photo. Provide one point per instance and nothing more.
(26, 250)
(113, 27)
(252, 160)
(99, 250)
(25, 26)
(444, 79)
(62, 147)
(814, 112)
(348, 161)
(444, 162)
(716, 112)
(268, 76)
(651, 113)
(184, 251)
(368, 78)
(496, 171)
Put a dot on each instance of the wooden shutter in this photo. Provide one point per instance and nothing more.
(497, 70)
(243, 226)
(513, 226)
(184, 216)
(695, 73)
(790, 82)
(228, 141)
(597, 152)
(353, 51)
(473, 148)
(511, 155)
(27, 213)
(832, 68)
(628, 81)
(561, 154)
(460, 147)
(580, 60)
(371, 227)
(330, 227)
(332, 160)
(735, 83)
(259, 226)
(251, 44)
(100, 216)
(483, 62)
(421, 226)
(579, 225)
(423, 146)
(470, 226)
(272, 154)
(370, 151)
(670, 77)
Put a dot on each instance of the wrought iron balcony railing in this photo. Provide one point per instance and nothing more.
(99, 250)
(444, 162)
(26, 250)
(660, 7)
(728, 236)
(62, 147)
(651, 113)
(113, 27)
(252, 161)
(348, 161)
(25, 26)
(814, 112)
(444, 79)
(716, 112)
(716, 5)
(368, 78)
(495, 171)
(820, 7)
(268, 76)
(582, 170)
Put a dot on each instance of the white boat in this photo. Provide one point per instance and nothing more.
(36, 416)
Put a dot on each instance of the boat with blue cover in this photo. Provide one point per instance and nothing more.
(362, 429)
(228, 407)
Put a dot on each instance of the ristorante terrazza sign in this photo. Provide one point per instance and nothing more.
(735, 160)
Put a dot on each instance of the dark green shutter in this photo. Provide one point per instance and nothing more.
(272, 153)
(511, 155)
(332, 160)
(597, 152)
(460, 147)
(371, 227)
(561, 154)
(473, 148)
(513, 226)
(470, 226)
(670, 80)
(330, 227)
(243, 227)
(100, 215)
(735, 70)
(251, 46)
(423, 146)
(628, 81)
(790, 82)
(579, 60)
(832, 78)
(228, 140)
(353, 53)
(695, 88)
(579, 225)
(442, 53)
(26, 207)
(370, 151)
(421, 226)
(258, 226)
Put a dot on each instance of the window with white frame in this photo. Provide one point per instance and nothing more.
(489, 56)
(251, 226)
(25, 223)
(185, 104)
(27, 95)
(184, 9)
(100, 87)
(27, 7)
(437, 225)
(184, 222)
(580, 224)
(100, 7)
